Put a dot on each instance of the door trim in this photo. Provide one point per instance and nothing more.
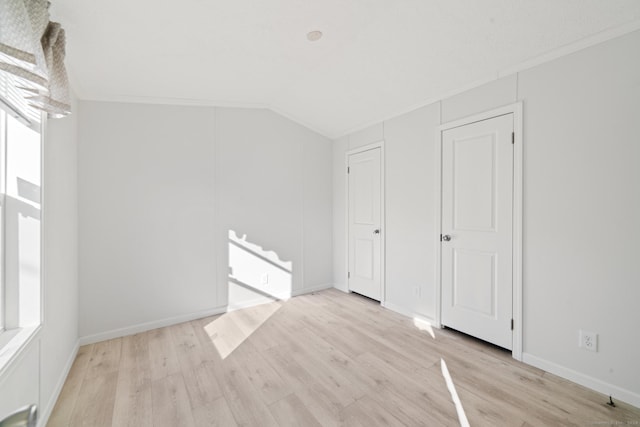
(383, 224)
(516, 110)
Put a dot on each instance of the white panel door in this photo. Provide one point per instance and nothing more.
(365, 213)
(477, 217)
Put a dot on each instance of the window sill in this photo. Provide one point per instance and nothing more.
(12, 342)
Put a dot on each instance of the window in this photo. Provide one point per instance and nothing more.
(20, 230)
(33, 80)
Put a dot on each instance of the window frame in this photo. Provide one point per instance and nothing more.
(14, 338)
(3, 167)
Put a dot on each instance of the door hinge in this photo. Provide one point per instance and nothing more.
(513, 137)
(348, 275)
(441, 237)
(512, 324)
(348, 169)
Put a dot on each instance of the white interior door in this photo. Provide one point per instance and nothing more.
(365, 213)
(477, 218)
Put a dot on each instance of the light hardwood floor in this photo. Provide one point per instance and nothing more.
(325, 359)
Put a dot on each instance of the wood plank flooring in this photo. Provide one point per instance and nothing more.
(325, 359)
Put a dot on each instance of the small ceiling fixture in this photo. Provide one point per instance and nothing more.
(314, 36)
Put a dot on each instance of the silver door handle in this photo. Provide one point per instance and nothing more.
(446, 238)
(376, 231)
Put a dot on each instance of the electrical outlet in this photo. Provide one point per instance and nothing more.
(588, 340)
(264, 279)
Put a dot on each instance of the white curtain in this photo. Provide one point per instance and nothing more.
(32, 51)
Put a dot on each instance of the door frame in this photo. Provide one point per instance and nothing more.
(515, 109)
(383, 226)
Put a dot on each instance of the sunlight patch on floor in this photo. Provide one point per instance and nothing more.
(462, 417)
(423, 325)
(228, 331)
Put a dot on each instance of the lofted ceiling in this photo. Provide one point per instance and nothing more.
(376, 59)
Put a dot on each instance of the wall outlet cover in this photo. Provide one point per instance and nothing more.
(588, 340)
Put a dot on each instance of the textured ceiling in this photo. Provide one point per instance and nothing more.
(378, 58)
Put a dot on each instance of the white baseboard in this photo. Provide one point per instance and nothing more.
(605, 388)
(311, 289)
(283, 296)
(255, 301)
(342, 288)
(43, 416)
(147, 326)
(405, 312)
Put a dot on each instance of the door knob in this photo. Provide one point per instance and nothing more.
(376, 231)
(446, 238)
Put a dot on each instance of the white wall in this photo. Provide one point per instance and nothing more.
(146, 203)
(38, 373)
(161, 188)
(317, 209)
(582, 210)
(340, 147)
(581, 204)
(274, 187)
(411, 233)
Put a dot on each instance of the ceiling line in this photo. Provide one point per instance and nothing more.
(562, 51)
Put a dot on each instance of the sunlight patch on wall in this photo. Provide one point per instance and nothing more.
(256, 275)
